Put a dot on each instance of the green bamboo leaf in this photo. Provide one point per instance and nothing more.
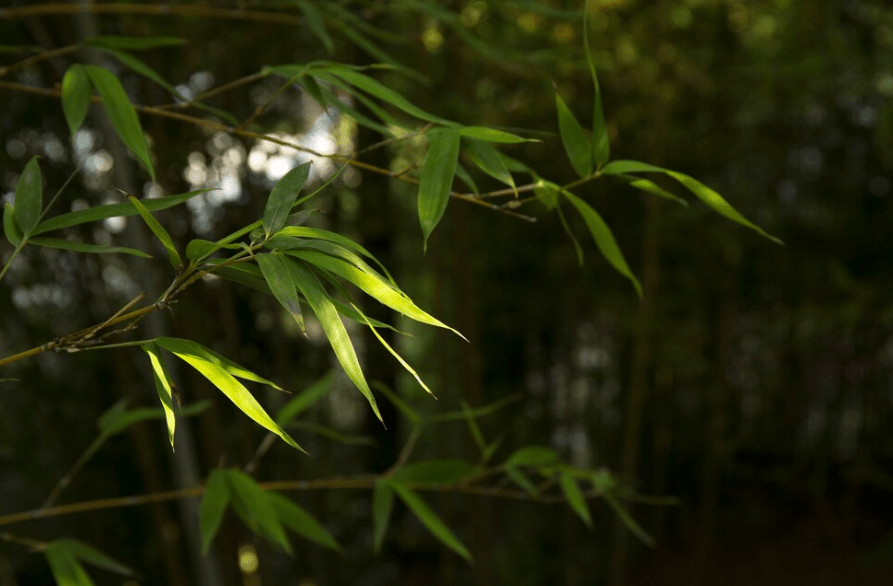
(241, 273)
(77, 89)
(112, 211)
(531, 456)
(515, 166)
(574, 497)
(275, 270)
(121, 114)
(214, 503)
(334, 435)
(189, 347)
(437, 177)
(710, 197)
(393, 352)
(89, 554)
(65, 568)
(63, 244)
(434, 472)
(256, 507)
(375, 88)
(164, 386)
(492, 135)
(380, 112)
(487, 159)
(301, 522)
(576, 143)
(331, 324)
(382, 505)
(282, 197)
(28, 201)
(651, 187)
(316, 25)
(401, 405)
(373, 284)
(334, 238)
(159, 231)
(118, 418)
(475, 413)
(547, 193)
(465, 178)
(133, 43)
(604, 239)
(473, 426)
(10, 230)
(570, 233)
(233, 389)
(197, 250)
(601, 147)
(628, 520)
(430, 520)
(521, 480)
(304, 400)
(326, 98)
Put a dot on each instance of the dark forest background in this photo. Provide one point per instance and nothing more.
(753, 382)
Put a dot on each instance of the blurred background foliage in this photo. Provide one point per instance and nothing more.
(753, 381)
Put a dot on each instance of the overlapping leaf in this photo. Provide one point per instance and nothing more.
(576, 143)
(283, 197)
(159, 231)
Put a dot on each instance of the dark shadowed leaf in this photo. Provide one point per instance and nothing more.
(133, 43)
(382, 505)
(77, 89)
(282, 197)
(28, 197)
(434, 472)
(574, 497)
(62, 244)
(316, 24)
(531, 456)
(304, 400)
(301, 522)
(275, 270)
(214, 503)
(487, 159)
(256, 507)
(89, 554)
(601, 148)
(430, 520)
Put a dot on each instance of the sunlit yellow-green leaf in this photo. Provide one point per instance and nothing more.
(159, 231)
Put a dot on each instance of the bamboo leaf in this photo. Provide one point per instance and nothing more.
(164, 387)
(487, 159)
(301, 522)
(397, 402)
(28, 200)
(10, 230)
(65, 568)
(437, 177)
(197, 250)
(189, 347)
(334, 238)
(228, 385)
(121, 114)
(316, 25)
(710, 197)
(331, 324)
(112, 211)
(604, 239)
(382, 505)
(89, 554)
(576, 143)
(465, 178)
(574, 497)
(651, 187)
(601, 147)
(275, 270)
(628, 520)
(375, 88)
(63, 244)
(282, 197)
(531, 456)
(304, 400)
(77, 89)
(492, 135)
(430, 520)
(214, 503)
(521, 480)
(159, 231)
(256, 507)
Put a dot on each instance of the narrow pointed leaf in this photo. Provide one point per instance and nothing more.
(275, 270)
(382, 505)
(113, 210)
(198, 249)
(574, 497)
(430, 520)
(343, 248)
(473, 426)
(190, 347)
(331, 324)
(10, 230)
(531, 456)
(487, 159)
(434, 472)
(382, 92)
(401, 405)
(492, 135)
(63, 244)
(710, 197)
(133, 43)
(159, 231)
(437, 177)
(393, 352)
(258, 505)
(604, 239)
(316, 25)
(121, 114)
(65, 568)
(570, 234)
(301, 522)
(77, 89)
(304, 400)
(234, 391)
(547, 193)
(628, 520)
(521, 480)
(649, 186)
(164, 387)
(89, 554)
(28, 197)
(214, 503)
(576, 143)
(601, 148)
(282, 197)
(371, 283)
(465, 178)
